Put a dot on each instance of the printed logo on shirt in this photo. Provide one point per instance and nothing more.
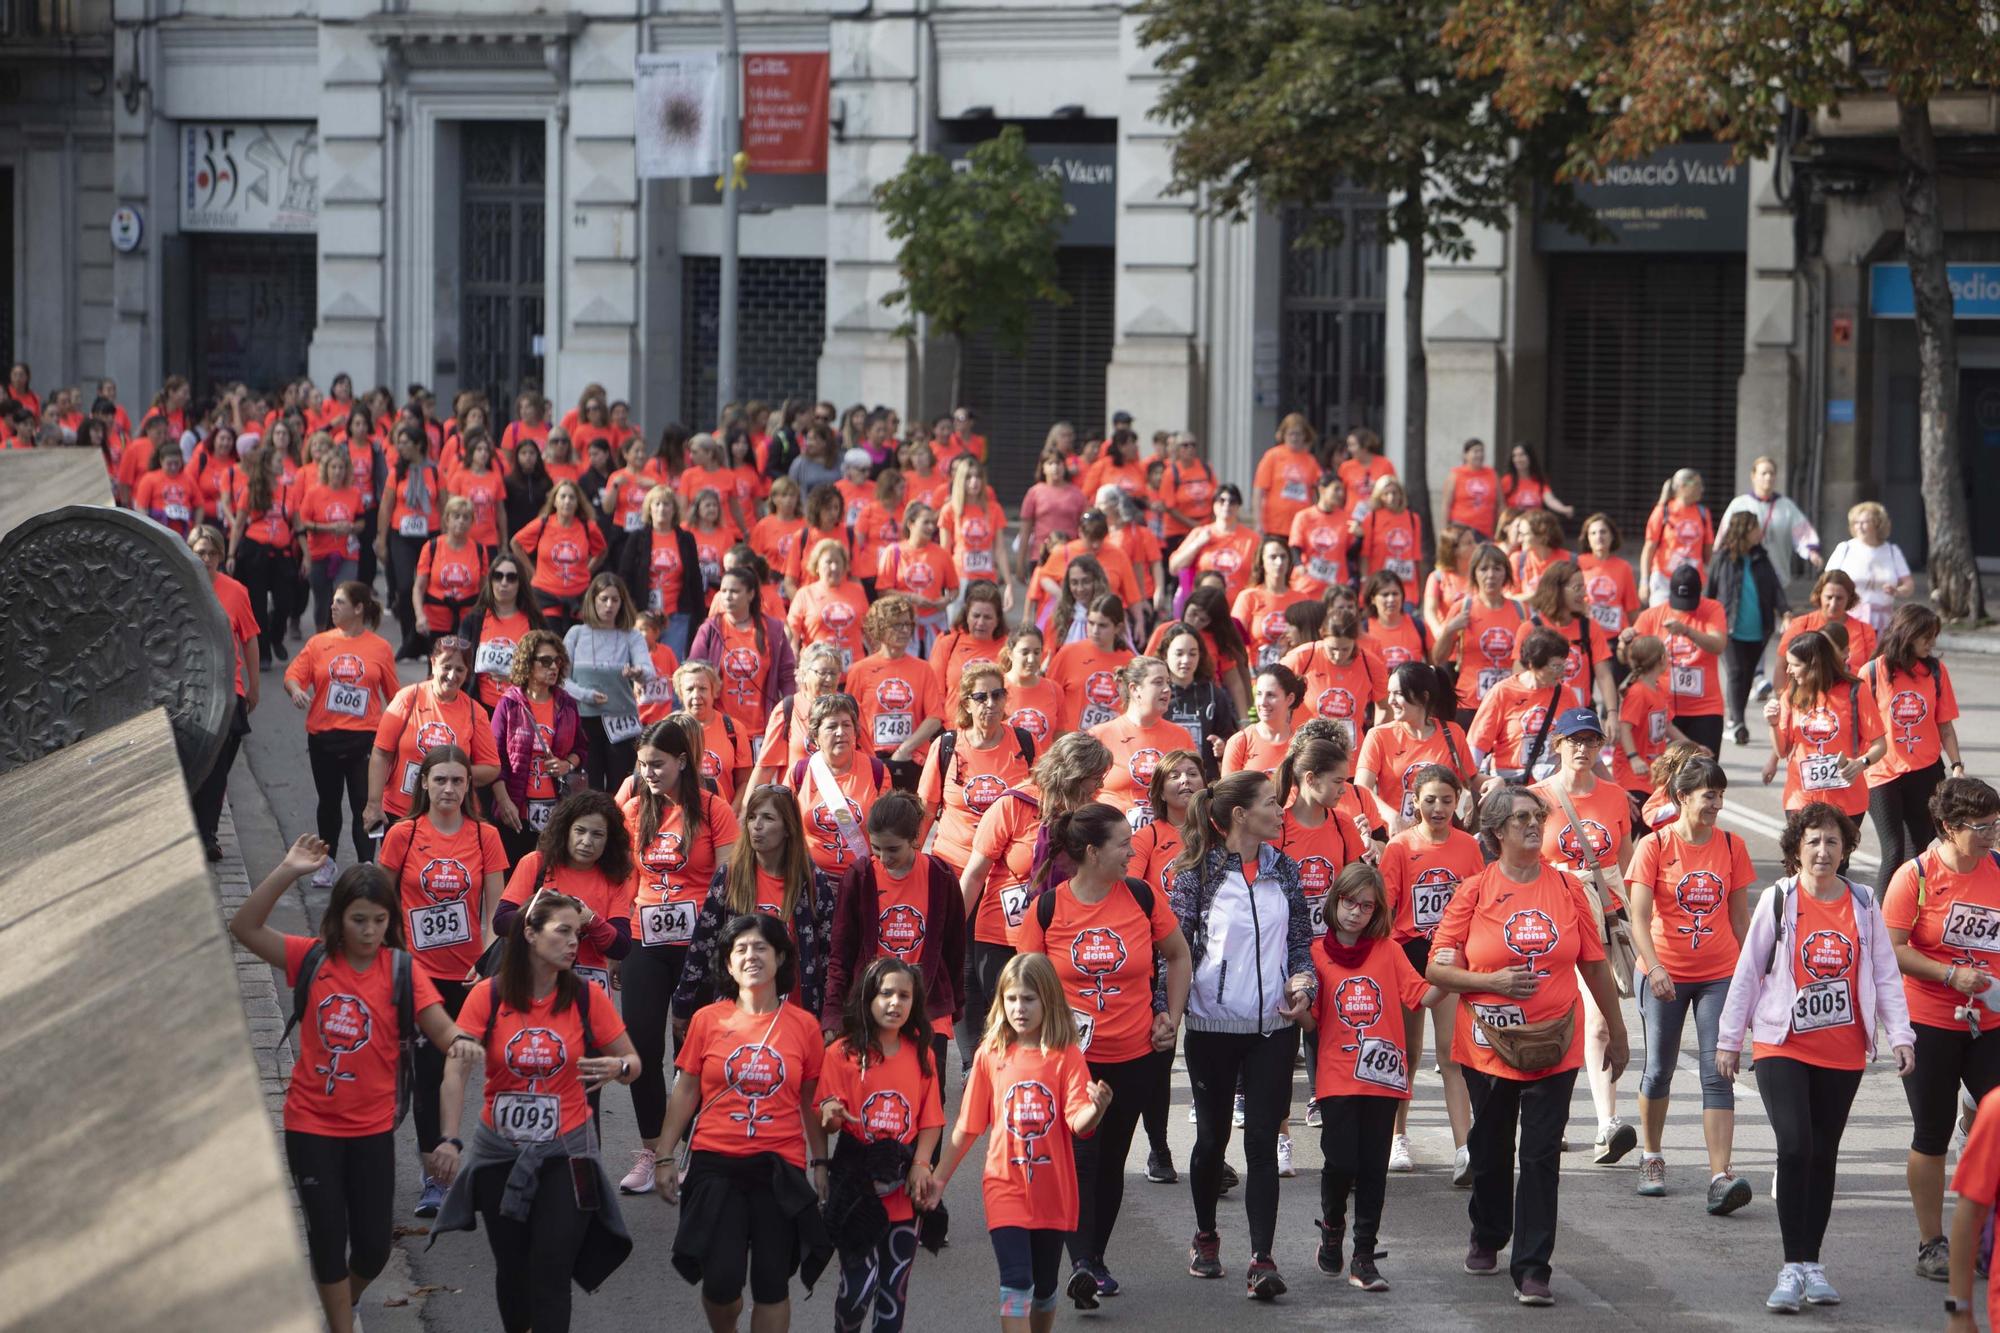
(839, 617)
(1573, 666)
(981, 792)
(1272, 628)
(886, 1116)
(1602, 589)
(1324, 541)
(1820, 725)
(1531, 933)
(665, 854)
(1683, 651)
(344, 1025)
(894, 695)
(1907, 710)
(1028, 1111)
(918, 575)
(346, 669)
(1228, 560)
(1395, 654)
(901, 930)
(975, 530)
(1699, 894)
(455, 579)
(756, 1073)
(1142, 765)
(444, 879)
(1600, 842)
(1101, 687)
(666, 559)
(1357, 1001)
(1827, 954)
(433, 734)
(823, 820)
(1097, 953)
(1397, 539)
(534, 1054)
(1033, 721)
(566, 553)
(1336, 703)
(1497, 645)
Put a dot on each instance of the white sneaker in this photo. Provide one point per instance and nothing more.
(1285, 1167)
(639, 1180)
(327, 873)
(1790, 1293)
(1461, 1169)
(1818, 1290)
(1399, 1154)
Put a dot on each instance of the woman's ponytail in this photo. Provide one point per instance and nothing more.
(1198, 834)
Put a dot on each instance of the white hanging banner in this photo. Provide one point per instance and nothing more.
(679, 115)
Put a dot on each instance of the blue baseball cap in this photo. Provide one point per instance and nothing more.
(1575, 721)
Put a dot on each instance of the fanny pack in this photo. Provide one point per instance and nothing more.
(1531, 1047)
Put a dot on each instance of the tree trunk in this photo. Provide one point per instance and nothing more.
(1416, 379)
(1954, 573)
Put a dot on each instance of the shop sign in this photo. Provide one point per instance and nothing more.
(1684, 198)
(1975, 291)
(250, 177)
(1089, 176)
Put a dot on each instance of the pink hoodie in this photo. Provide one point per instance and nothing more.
(1762, 1000)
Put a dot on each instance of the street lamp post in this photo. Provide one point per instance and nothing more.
(725, 352)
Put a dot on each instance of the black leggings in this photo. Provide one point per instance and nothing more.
(1808, 1107)
(347, 1190)
(404, 553)
(1214, 1060)
(607, 763)
(878, 1280)
(1947, 1057)
(339, 759)
(1354, 1137)
(648, 976)
(1100, 1158)
(1739, 668)
(1900, 809)
(753, 1243)
(268, 577)
(1704, 729)
(1030, 1260)
(424, 1108)
(983, 962)
(532, 1259)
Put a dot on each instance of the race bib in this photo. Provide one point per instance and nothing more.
(410, 771)
(1687, 680)
(176, 513)
(539, 814)
(1821, 772)
(1325, 571)
(1609, 617)
(496, 658)
(892, 729)
(1495, 1016)
(666, 923)
(1823, 1004)
(1380, 1061)
(1294, 492)
(1316, 914)
(1014, 904)
(1427, 904)
(1970, 926)
(979, 562)
(1406, 570)
(620, 727)
(440, 927)
(658, 690)
(1268, 654)
(1491, 677)
(634, 521)
(349, 699)
(600, 975)
(1346, 726)
(1085, 1024)
(414, 525)
(1096, 715)
(653, 602)
(527, 1117)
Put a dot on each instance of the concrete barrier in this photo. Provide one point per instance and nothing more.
(143, 1186)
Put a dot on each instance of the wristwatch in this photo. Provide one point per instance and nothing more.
(816, 1161)
(457, 1143)
(1953, 1307)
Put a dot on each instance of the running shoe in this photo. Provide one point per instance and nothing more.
(1726, 1194)
(328, 872)
(1653, 1179)
(1160, 1167)
(1236, 1114)
(1481, 1261)
(1790, 1293)
(1613, 1142)
(431, 1199)
(1399, 1154)
(355, 1319)
(1533, 1291)
(1362, 1272)
(1313, 1117)
(1286, 1171)
(1264, 1284)
(1742, 734)
(1327, 1258)
(278, 650)
(1192, 1118)
(1760, 688)
(1461, 1169)
(639, 1180)
(1205, 1255)
(1082, 1287)
(1107, 1285)
(1934, 1260)
(1818, 1290)
(1230, 1180)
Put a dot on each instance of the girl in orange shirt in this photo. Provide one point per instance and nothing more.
(1260, 608)
(450, 569)
(168, 494)
(481, 481)
(1479, 634)
(1450, 578)
(562, 547)
(1390, 536)
(920, 568)
(1031, 1085)
(777, 535)
(978, 632)
(831, 609)
(585, 854)
(625, 490)
(1320, 537)
(1139, 736)
(1225, 545)
(1391, 634)
(1342, 682)
(1035, 703)
(973, 526)
(712, 537)
(1826, 729)
(1263, 744)
(1087, 671)
(879, 528)
(344, 678)
(1419, 732)
(1919, 715)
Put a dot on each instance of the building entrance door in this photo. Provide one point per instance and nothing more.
(502, 228)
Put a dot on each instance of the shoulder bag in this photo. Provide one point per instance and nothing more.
(1612, 928)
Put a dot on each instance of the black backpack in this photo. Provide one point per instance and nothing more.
(948, 747)
(406, 1016)
(582, 1009)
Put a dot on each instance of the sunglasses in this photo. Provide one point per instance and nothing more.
(987, 696)
(505, 576)
(547, 661)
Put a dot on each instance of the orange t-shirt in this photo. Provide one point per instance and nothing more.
(405, 521)
(1860, 639)
(1420, 877)
(1607, 817)
(1138, 547)
(416, 722)
(1340, 693)
(270, 526)
(722, 752)
(1118, 571)
(897, 695)
(859, 788)
(1395, 542)
(1103, 954)
(174, 500)
(1321, 538)
(922, 571)
(822, 614)
(605, 897)
(1475, 498)
(562, 552)
(351, 680)
(664, 572)
(776, 539)
(1006, 838)
(1613, 592)
(1042, 710)
(450, 574)
(1646, 707)
(1249, 748)
(1262, 612)
(753, 1086)
(1826, 1024)
(1154, 849)
(1232, 555)
(795, 564)
(1185, 488)
(493, 655)
(1288, 477)
(1393, 755)
(1088, 679)
(533, 1091)
(876, 530)
(1322, 852)
(1958, 922)
(676, 867)
(1488, 648)
(1692, 935)
(955, 649)
(1913, 707)
(1360, 1011)
(656, 696)
(344, 1083)
(1509, 719)
(1577, 680)
(326, 505)
(441, 879)
(744, 671)
(971, 537)
(1395, 644)
(1694, 677)
(964, 794)
(1978, 1176)
(1495, 923)
(1135, 755)
(1529, 566)
(1680, 534)
(710, 545)
(1811, 740)
(1359, 475)
(892, 1099)
(1026, 1096)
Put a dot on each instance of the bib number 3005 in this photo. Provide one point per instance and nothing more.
(1823, 1004)
(527, 1117)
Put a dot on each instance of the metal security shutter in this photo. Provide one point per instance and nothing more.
(251, 317)
(1060, 376)
(1644, 356)
(780, 330)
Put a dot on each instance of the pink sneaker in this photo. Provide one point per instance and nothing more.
(639, 1180)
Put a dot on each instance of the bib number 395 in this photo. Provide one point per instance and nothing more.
(441, 926)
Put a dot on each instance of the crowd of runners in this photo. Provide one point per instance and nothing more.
(780, 752)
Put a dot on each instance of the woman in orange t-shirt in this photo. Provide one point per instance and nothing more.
(988, 759)
(411, 499)
(344, 678)
(1919, 715)
(973, 527)
(832, 608)
(1314, 830)
(169, 494)
(1320, 537)
(1278, 692)
(750, 652)
(1475, 492)
(1479, 635)
(1286, 477)
(330, 515)
(504, 614)
(1030, 1084)
(422, 717)
(725, 742)
(777, 535)
(1690, 891)
(1516, 940)
(1450, 578)
(826, 520)
(1419, 732)
(1826, 729)
(834, 812)
(1608, 583)
(562, 547)
(709, 526)
(879, 527)
(1225, 545)
(1035, 703)
(1390, 536)
(1342, 682)
(1391, 634)
(923, 571)
(902, 705)
(1260, 608)
(450, 570)
(978, 632)
(586, 854)
(1538, 546)
(340, 1109)
(1139, 736)
(482, 482)
(1087, 671)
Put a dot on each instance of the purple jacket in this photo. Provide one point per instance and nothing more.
(783, 677)
(1762, 1001)
(514, 733)
(857, 939)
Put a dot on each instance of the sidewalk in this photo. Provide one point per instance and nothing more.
(256, 982)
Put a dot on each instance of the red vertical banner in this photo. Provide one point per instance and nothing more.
(784, 112)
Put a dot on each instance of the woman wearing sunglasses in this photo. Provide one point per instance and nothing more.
(498, 621)
(540, 734)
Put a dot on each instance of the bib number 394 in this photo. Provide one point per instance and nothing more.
(1823, 1004)
(527, 1117)
(1380, 1061)
(666, 923)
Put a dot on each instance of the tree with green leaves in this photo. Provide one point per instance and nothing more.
(1276, 101)
(1652, 72)
(978, 242)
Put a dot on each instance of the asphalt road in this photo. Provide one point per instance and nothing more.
(1620, 1261)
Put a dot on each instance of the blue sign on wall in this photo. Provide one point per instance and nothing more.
(1975, 291)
